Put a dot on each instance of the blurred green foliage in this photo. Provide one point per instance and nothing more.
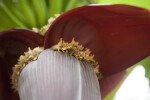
(33, 13)
(139, 3)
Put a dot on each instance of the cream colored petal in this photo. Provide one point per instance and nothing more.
(58, 76)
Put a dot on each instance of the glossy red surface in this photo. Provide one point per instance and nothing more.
(118, 35)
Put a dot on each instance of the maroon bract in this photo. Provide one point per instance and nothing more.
(13, 43)
(118, 35)
(109, 83)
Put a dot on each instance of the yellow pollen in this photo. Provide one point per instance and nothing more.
(23, 60)
(78, 51)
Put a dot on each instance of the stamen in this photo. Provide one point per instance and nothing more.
(29, 56)
(73, 49)
(78, 51)
(46, 27)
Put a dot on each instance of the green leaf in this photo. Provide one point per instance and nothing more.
(71, 4)
(10, 15)
(40, 8)
(64, 4)
(27, 11)
(55, 6)
(139, 3)
(14, 9)
(77, 3)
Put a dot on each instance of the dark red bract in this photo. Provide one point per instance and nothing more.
(118, 35)
(13, 43)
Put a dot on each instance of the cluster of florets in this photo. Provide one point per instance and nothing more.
(73, 49)
(46, 27)
(29, 56)
(78, 51)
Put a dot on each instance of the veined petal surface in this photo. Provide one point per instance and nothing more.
(58, 76)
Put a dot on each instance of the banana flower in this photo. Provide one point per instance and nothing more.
(117, 35)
